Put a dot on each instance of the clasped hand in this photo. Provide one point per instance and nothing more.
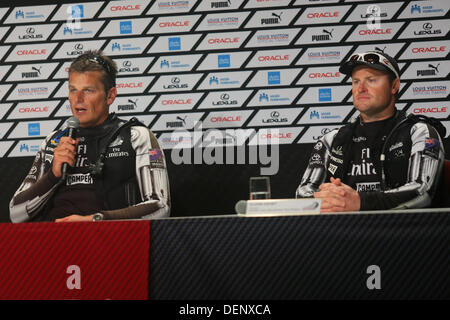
(337, 197)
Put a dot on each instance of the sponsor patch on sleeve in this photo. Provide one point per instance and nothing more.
(156, 158)
(55, 140)
(432, 148)
(316, 160)
(431, 143)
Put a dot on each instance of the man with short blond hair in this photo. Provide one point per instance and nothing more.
(117, 167)
(384, 159)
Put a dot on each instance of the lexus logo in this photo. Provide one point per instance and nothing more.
(225, 96)
(274, 114)
(373, 9)
(126, 63)
(78, 46)
(427, 26)
(30, 30)
(175, 80)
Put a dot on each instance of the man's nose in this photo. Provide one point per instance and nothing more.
(79, 96)
(362, 87)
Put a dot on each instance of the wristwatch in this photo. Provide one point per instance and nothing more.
(97, 216)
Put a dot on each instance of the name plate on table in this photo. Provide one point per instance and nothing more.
(278, 206)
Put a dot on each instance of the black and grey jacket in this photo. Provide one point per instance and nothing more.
(131, 181)
(409, 166)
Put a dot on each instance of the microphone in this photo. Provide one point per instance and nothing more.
(72, 124)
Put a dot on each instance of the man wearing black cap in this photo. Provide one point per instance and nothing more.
(384, 159)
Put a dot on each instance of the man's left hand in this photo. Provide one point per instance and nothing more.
(338, 197)
(75, 218)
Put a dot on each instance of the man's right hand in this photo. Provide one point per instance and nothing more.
(338, 197)
(64, 152)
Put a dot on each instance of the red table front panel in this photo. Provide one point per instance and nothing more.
(75, 260)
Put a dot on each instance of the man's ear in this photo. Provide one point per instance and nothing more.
(395, 86)
(111, 96)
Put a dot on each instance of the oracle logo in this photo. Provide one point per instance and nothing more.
(429, 49)
(31, 52)
(274, 58)
(36, 109)
(174, 24)
(176, 101)
(276, 135)
(226, 119)
(223, 40)
(324, 75)
(130, 85)
(375, 31)
(430, 110)
(315, 15)
(126, 8)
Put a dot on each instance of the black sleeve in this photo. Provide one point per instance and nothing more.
(316, 171)
(35, 190)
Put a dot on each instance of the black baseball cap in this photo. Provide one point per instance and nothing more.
(373, 59)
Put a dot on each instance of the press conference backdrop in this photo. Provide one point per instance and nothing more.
(215, 75)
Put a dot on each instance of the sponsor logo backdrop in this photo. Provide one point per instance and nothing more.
(245, 68)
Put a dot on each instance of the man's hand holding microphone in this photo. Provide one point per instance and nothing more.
(63, 157)
(65, 152)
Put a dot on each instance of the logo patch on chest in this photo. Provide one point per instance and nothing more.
(79, 178)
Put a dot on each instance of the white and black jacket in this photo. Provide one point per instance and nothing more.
(411, 180)
(129, 182)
